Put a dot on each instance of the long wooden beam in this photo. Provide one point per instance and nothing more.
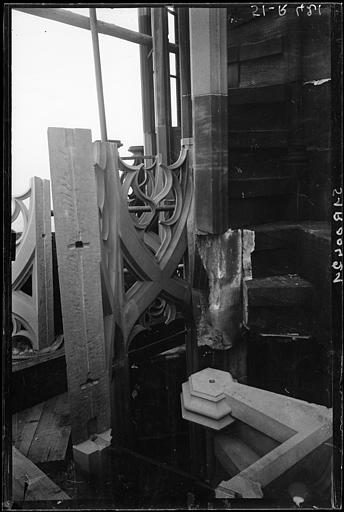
(98, 72)
(80, 21)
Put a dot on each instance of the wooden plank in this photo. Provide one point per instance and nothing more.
(23, 364)
(39, 486)
(258, 139)
(52, 434)
(249, 95)
(261, 187)
(43, 270)
(79, 257)
(24, 427)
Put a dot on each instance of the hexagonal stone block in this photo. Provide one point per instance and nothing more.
(203, 399)
(215, 410)
(204, 420)
(209, 384)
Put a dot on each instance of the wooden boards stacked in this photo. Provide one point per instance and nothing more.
(42, 433)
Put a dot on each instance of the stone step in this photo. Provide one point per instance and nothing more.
(279, 304)
(233, 453)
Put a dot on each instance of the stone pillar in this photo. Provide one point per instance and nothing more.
(208, 49)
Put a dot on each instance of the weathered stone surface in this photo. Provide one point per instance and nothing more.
(226, 261)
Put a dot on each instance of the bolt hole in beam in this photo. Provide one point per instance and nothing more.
(212, 381)
(79, 244)
(89, 383)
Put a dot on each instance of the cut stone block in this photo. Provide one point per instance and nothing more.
(204, 420)
(203, 399)
(211, 409)
(90, 455)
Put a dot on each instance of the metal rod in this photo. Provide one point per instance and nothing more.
(138, 157)
(98, 71)
(139, 208)
(164, 208)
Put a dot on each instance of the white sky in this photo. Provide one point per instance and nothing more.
(53, 84)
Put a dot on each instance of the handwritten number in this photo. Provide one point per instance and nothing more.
(309, 7)
(301, 8)
(282, 10)
(337, 279)
(337, 265)
(256, 10)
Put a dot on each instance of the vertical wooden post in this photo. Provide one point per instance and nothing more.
(43, 266)
(6, 346)
(147, 87)
(79, 257)
(208, 45)
(176, 37)
(184, 72)
(161, 83)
